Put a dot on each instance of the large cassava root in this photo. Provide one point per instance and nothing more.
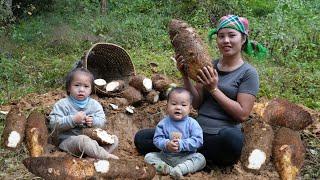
(14, 130)
(288, 153)
(279, 112)
(36, 134)
(67, 167)
(258, 137)
(188, 43)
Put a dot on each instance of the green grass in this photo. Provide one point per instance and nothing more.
(38, 50)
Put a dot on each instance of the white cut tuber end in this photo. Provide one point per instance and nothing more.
(13, 139)
(256, 159)
(104, 136)
(112, 86)
(115, 107)
(147, 83)
(171, 86)
(100, 82)
(156, 98)
(102, 166)
(4, 112)
(130, 109)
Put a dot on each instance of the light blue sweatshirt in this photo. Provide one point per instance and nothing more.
(63, 112)
(191, 139)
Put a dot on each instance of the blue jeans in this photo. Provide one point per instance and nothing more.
(221, 149)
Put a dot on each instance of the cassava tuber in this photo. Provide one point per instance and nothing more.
(132, 95)
(36, 134)
(141, 83)
(258, 137)
(152, 97)
(288, 153)
(68, 167)
(187, 42)
(14, 129)
(280, 112)
(100, 135)
(115, 86)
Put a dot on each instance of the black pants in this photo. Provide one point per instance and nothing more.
(222, 149)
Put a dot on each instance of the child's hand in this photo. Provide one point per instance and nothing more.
(173, 145)
(79, 117)
(89, 121)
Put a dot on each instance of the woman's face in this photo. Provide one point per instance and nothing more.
(229, 42)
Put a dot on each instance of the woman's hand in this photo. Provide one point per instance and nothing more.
(208, 77)
(181, 64)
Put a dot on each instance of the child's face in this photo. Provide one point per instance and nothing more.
(80, 87)
(179, 105)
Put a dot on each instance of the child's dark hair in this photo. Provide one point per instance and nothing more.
(179, 90)
(71, 75)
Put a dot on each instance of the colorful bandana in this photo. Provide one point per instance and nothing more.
(240, 24)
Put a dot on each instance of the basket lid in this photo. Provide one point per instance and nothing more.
(109, 62)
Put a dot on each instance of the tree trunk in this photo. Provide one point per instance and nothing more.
(104, 5)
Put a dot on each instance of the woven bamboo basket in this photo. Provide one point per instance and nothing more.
(109, 62)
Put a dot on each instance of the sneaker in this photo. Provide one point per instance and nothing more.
(163, 169)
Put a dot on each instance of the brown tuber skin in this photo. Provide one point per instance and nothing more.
(258, 137)
(132, 95)
(152, 97)
(36, 134)
(187, 42)
(160, 82)
(288, 153)
(279, 112)
(115, 86)
(92, 133)
(74, 168)
(138, 83)
(13, 132)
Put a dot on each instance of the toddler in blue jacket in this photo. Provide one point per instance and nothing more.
(178, 136)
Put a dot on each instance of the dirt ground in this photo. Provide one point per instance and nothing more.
(124, 125)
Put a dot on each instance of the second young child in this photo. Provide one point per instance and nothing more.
(178, 136)
(77, 111)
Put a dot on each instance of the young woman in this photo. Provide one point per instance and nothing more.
(224, 95)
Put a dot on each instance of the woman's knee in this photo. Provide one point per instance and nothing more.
(233, 138)
(143, 134)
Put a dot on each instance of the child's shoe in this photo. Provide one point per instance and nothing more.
(163, 169)
(176, 173)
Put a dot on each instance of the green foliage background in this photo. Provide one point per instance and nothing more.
(39, 48)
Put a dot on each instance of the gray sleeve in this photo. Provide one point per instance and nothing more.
(250, 82)
(59, 119)
(99, 117)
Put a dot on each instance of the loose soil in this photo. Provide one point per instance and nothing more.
(124, 125)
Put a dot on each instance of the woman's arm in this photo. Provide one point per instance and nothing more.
(195, 90)
(240, 109)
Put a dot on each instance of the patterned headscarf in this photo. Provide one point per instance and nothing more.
(240, 24)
